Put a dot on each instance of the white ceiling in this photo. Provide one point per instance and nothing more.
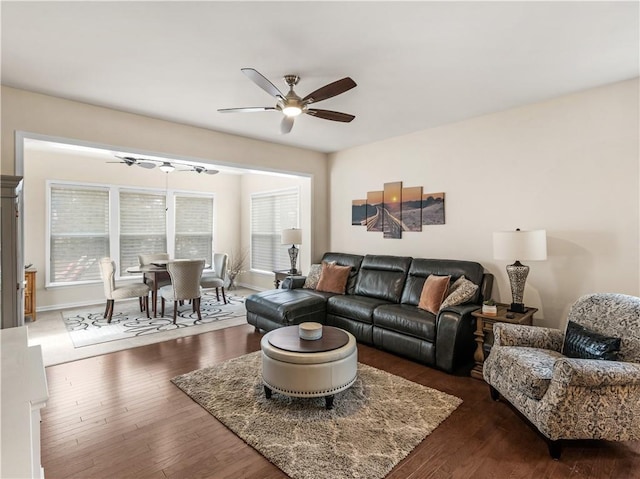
(417, 64)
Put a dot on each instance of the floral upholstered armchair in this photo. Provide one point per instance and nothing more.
(570, 397)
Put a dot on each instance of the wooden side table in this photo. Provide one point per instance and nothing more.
(30, 293)
(282, 274)
(484, 332)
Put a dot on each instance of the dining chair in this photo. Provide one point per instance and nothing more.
(162, 278)
(218, 277)
(113, 292)
(185, 285)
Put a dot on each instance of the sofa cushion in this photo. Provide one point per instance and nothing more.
(529, 369)
(421, 269)
(311, 281)
(433, 292)
(580, 342)
(461, 291)
(382, 277)
(333, 278)
(406, 319)
(355, 307)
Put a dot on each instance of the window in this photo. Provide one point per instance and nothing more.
(194, 227)
(143, 225)
(270, 214)
(79, 232)
(90, 222)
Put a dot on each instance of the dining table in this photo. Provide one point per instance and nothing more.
(155, 269)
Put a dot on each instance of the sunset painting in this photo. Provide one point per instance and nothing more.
(392, 210)
(359, 212)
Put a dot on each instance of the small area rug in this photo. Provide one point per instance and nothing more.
(373, 426)
(89, 327)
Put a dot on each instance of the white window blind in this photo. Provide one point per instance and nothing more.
(79, 232)
(194, 227)
(143, 226)
(270, 214)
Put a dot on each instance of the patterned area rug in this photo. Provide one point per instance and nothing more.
(89, 327)
(373, 426)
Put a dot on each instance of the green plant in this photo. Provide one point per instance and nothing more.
(489, 302)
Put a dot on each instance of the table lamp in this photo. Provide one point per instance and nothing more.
(523, 245)
(292, 236)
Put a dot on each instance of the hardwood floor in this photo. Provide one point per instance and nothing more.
(119, 416)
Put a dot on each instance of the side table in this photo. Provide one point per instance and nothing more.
(282, 274)
(484, 332)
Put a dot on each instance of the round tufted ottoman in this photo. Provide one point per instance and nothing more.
(302, 368)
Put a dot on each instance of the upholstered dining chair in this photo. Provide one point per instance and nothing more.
(582, 383)
(162, 277)
(185, 284)
(218, 277)
(113, 292)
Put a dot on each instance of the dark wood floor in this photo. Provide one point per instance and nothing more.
(119, 416)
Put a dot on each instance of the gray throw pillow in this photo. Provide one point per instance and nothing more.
(311, 282)
(461, 291)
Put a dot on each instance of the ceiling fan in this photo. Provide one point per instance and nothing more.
(165, 166)
(291, 105)
(130, 161)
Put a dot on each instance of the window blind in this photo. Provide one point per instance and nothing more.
(194, 227)
(79, 232)
(143, 226)
(270, 214)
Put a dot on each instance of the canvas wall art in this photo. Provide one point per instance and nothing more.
(412, 208)
(396, 209)
(374, 210)
(392, 210)
(433, 209)
(359, 212)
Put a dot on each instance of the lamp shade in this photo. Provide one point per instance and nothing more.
(292, 236)
(520, 245)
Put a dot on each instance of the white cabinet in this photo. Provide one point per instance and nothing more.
(23, 394)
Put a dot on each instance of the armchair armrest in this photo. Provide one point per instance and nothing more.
(293, 282)
(595, 372)
(506, 334)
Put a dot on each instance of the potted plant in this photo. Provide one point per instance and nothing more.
(236, 266)
(490, 308)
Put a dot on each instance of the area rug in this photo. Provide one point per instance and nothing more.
(90, 327)
(373, 426)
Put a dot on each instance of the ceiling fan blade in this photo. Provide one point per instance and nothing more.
(330, 115)
(146, 164)
(330, 90)
(256, 77)
(249, 109)
(211, 172)
(286, 125)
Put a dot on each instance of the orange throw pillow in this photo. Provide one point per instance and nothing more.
(433, 293)
(333, 278)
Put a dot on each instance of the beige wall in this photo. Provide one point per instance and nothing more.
(570, 166)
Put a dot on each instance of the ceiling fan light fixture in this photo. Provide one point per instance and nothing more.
(292, 110)
(167, 167)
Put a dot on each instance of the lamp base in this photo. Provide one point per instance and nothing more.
(293, 257)
(518, 308)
